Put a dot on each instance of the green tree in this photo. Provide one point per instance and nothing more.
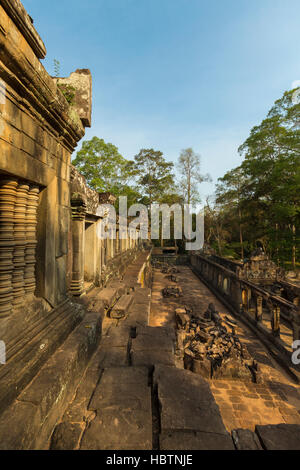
(272, 174)
(229, 194)
(189, 165)
(260, 200)
(154, 175)
(105, 169)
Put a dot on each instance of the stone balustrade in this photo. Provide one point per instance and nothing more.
(268, 312)
(18, 222)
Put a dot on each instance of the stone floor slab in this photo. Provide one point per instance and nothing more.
(195, 441)
(279, 437)
(122, 403)
(186, 402)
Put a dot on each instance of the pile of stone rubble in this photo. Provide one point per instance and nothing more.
(172, 291)
(210, 346)
(169, 269)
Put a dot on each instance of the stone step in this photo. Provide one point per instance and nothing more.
(34, 414)
(29, 354)
(121, 307)
(67, 434)
(123, 413)
(108, 296)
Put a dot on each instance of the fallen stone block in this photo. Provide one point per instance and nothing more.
(121, 307)
(244, 439)
(182, 318)
(171, 291)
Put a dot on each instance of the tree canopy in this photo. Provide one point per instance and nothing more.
(262, 196)
(154, 175)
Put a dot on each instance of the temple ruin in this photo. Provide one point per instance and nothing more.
(105, 344)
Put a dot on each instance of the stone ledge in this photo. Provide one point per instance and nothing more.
(24, 22)
(33, 348)
(21, 69)
(34, 414)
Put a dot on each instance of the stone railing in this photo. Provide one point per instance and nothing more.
(227, 263)
(272, 315)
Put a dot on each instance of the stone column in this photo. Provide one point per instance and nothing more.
(78, 223)
(276, 321)
(117, 242)
(31, 239)
(244, 300)
(8, 187)
(259, 310)
(296, 325)
(18, 282)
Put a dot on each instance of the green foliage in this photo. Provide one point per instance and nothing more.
(261, 198)
(105, 169)
(56, 66)
(154, 175)
(68, 91)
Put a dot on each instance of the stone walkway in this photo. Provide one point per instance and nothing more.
(131, 392)
(132, 396)
(242, 405)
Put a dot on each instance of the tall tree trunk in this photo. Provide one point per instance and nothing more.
(241, 234)
(277, 249)
(294, 247)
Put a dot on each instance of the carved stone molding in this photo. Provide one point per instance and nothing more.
(8, 189)
(18, 220)
(31, 240)
(20, 243)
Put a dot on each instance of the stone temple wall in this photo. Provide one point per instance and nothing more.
(94, 261)
(38, 132)
(49, 218)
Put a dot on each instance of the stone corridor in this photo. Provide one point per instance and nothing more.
(130, 389)
(242, 405)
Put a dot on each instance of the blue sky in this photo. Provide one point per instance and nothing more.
(171, 74)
